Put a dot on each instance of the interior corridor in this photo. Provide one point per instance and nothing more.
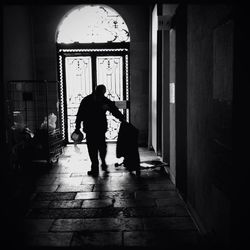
(174, 69)
(69, 208)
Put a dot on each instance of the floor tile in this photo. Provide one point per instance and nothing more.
(103, 224)
(140, 239)
(50, 240)
(40, 204)
(77, 188)
(43, 196)
(117, 194)
(46, 180)
(66, 204)
(134, 203)
(161, 186)
(162, 240)
(70, 181)
(87, 195)
(168, 223)
(46, 188)
(119, 187)
(169, 202)
(32, 226)
(160, 194)
(92, 224)
(97, 239)
(97, 203)
(67, 225)
(170, 211)
(75, 213)
(132, 224)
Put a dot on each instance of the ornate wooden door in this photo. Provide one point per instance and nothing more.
(83, 69)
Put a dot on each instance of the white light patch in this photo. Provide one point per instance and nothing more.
(172, 92)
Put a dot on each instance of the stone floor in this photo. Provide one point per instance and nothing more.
(69, 208)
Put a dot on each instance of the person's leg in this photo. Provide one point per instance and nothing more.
(102, 146)
(93, 152)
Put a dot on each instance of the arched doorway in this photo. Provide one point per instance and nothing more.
(93, 48)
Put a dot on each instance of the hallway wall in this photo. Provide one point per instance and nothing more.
(17, 45)
(17, 55)
(207, 170)
(46, 19)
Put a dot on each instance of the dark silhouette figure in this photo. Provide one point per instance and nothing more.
(92, 112)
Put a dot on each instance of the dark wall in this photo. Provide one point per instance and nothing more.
(17, 54)
(180, 25)
(46, 19)
(209, 108)
(17, 45)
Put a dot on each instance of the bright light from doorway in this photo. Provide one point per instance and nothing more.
(93, 24)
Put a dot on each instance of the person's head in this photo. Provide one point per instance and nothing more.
(100, 90)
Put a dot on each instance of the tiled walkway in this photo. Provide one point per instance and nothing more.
(70, 208)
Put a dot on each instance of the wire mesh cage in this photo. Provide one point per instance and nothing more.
(34, 122)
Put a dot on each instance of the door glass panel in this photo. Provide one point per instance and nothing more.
(79, 84)
(110, 73)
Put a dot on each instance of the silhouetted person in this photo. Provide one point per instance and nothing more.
(92, 112)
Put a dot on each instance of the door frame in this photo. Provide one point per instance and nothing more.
(93, 50)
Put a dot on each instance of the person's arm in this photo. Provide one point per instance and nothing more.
(115, 111)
